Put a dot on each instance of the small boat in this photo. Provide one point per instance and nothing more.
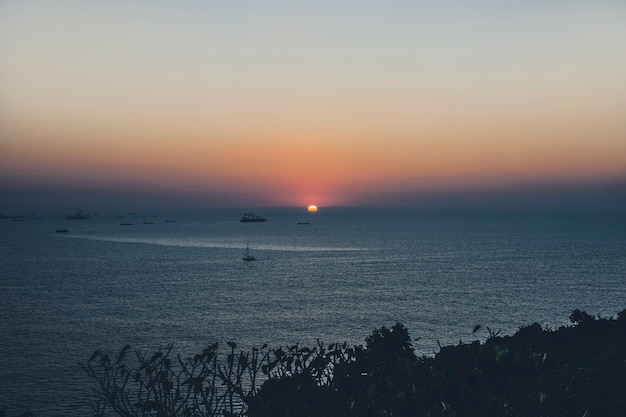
(78, 215)
(62, 230)
(247, 256)
(251, 218)
(303, 222)
(2, 216)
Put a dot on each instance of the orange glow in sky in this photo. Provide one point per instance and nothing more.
(310, 102)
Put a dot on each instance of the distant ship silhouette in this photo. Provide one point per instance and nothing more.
(251, 218)
(78, 215)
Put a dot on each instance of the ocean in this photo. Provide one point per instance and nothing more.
(102, 285)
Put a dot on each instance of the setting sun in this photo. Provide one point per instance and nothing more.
(312, 209)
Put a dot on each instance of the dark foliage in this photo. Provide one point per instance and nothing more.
(162, 386)
(575, 371)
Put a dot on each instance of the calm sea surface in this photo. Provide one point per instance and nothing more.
(103, 285)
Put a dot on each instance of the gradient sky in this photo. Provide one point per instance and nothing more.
(294, 103)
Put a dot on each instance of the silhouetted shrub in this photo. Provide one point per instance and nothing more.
(578, 316)
(573, 371)
(532, 331)
(135, 384)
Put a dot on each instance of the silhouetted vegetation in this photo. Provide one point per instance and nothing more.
(573, 371)
(577, 370)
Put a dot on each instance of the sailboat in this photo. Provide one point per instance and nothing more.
(247, 256)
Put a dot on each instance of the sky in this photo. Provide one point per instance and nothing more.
(291, 103)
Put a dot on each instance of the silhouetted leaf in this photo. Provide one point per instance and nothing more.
(168, 385)
(279, 353)
(122, 353)
(93, 356)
